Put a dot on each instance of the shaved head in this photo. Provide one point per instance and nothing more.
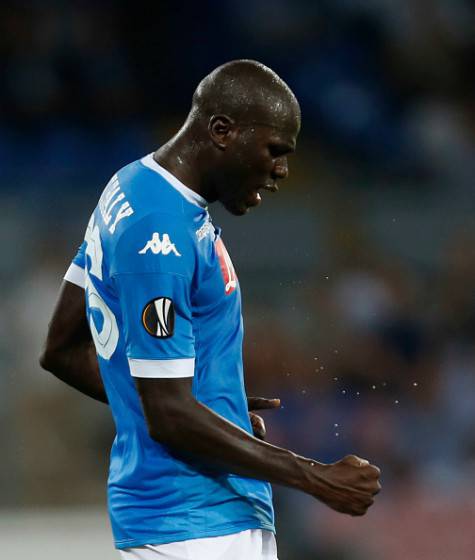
(248, 92)
(243, 124)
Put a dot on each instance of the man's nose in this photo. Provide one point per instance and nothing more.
(281, 170)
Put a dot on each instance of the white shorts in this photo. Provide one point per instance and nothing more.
(253, 544)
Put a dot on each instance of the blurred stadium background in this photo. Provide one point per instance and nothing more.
(358, 278)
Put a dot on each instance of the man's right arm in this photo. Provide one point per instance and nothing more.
(69, 351)
(187, 427)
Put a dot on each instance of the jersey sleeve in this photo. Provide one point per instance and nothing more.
(75, 272)
(152, 268)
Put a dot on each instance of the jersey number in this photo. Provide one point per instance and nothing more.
(107, 338)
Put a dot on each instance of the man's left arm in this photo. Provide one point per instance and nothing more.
(69, 352)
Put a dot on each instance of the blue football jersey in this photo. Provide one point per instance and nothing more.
(163, 300)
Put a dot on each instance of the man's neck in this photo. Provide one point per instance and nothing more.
(179, 156)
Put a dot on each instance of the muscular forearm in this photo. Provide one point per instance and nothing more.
(197, 430)
(347, 486)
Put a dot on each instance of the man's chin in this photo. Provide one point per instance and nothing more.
(237, 209)
(240, 211)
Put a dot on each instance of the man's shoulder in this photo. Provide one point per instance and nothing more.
(149, 191)
(133, 197)
(141, 216)
(151, 241)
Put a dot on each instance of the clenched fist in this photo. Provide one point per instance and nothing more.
(347, 486)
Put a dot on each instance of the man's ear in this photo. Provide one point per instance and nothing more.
(222, 130)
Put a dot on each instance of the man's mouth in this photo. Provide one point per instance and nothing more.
(271, 187)
(255, 197)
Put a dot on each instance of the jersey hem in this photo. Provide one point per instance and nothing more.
(184, 536)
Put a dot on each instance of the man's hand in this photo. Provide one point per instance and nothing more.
(347, 486)
(257, 422)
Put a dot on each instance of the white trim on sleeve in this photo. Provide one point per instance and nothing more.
(182, 367)
(76, 275)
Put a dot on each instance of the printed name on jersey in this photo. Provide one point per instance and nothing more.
(158, 317)
(227, 268)
(108, 205)
(157, 245)
(204, 230)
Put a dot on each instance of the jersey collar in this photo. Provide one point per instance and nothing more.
(189, 194)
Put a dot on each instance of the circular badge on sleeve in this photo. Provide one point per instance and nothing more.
(158, 317)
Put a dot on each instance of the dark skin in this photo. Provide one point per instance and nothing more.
(69, 351)
(227, 159)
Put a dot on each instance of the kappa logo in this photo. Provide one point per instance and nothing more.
(157, 246)
(158, 317)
